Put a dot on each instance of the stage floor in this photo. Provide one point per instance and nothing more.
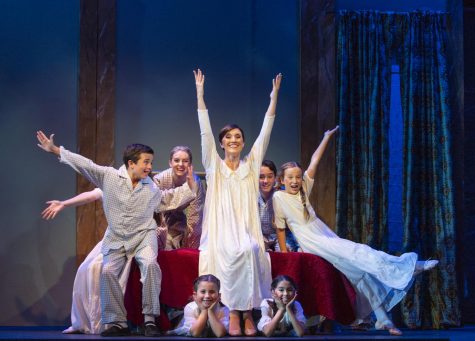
(49, 333)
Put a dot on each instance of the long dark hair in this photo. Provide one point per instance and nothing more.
(281, 278)
(206, 278)
(275, 283)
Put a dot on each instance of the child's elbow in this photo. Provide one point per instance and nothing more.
(267, 333)
(300, 331)
(221, 333)
(195, 333)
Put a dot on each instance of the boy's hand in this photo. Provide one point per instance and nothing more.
(47, 144)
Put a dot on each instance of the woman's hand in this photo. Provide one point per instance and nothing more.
(200, 82)
(200, 88)
(276, 86)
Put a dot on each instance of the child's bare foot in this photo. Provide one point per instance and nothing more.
(389, 326)
(394, 331)
(425, 265)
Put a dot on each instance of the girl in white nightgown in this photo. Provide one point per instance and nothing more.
(380, 280)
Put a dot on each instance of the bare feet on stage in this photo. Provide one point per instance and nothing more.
(394, 331)
(389, 326)
(234, 323)
(422, 266)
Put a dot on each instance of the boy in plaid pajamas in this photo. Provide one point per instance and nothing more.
(130, 198)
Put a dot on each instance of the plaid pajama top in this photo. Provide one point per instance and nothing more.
(129, 211)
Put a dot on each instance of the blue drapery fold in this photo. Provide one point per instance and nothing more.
(367, 43)
(428, 198)
(363, 94)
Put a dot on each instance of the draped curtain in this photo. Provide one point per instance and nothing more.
(428, 198)
(368, 42)
(363, 80)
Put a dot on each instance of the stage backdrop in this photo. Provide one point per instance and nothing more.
(38, 90)
(240, 45)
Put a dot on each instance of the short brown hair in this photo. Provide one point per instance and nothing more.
(132, 152)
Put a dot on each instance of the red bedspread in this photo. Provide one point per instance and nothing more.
(322, 289)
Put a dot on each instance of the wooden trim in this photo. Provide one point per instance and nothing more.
(96, 109)
(317, 102)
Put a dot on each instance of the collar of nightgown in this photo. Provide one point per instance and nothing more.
(241, 172)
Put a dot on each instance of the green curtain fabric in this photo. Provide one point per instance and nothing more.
(363, 80)
(428, 198)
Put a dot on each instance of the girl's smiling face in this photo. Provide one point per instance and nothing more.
(284, 291)
(179, 163)
(206, 294)
(292, 180)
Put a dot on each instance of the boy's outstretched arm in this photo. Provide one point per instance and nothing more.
(79, 163)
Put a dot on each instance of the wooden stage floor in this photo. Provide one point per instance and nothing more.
(51, 333)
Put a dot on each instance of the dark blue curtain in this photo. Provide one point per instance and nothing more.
(428, 198)
(367, 44)
(363, 94)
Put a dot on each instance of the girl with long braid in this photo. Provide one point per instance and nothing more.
(379, 279)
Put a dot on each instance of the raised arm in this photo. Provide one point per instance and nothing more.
(274, 94)
(208, 146)
(259, 148)
(56, 206)
(200, 88)
(317, 155)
